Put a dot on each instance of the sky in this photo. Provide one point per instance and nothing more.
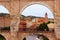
(3, 9)
(38, 11)
(32, 10)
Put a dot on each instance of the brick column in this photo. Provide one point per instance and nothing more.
(57, 18)
(14, 27)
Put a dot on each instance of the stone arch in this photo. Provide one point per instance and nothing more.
(32, 3)
(24, 37)
(7, 35)
(2, 36)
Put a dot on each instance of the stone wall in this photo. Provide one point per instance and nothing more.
(6, 35)
(15, 7)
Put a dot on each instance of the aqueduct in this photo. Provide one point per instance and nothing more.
(15, 8)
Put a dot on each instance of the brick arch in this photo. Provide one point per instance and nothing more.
(3, 36)
(6, 35)
(27, 34)
(42, 3)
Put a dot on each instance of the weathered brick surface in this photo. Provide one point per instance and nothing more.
(15, 7)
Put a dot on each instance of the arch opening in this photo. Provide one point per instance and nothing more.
(35, 15)
(35, 37)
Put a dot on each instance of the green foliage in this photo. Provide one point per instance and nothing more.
(2, 38)
(45, 38)
(48, 22)
(43, 27)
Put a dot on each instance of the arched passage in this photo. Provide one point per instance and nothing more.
(36, 37)
(2, 37)
(37, 10)
(33, 9)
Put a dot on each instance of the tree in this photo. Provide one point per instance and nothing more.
(43, 27)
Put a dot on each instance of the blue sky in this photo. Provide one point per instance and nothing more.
(37, 10)
(3, 9)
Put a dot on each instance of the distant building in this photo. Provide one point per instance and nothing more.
(39, 20)
(33, 22)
